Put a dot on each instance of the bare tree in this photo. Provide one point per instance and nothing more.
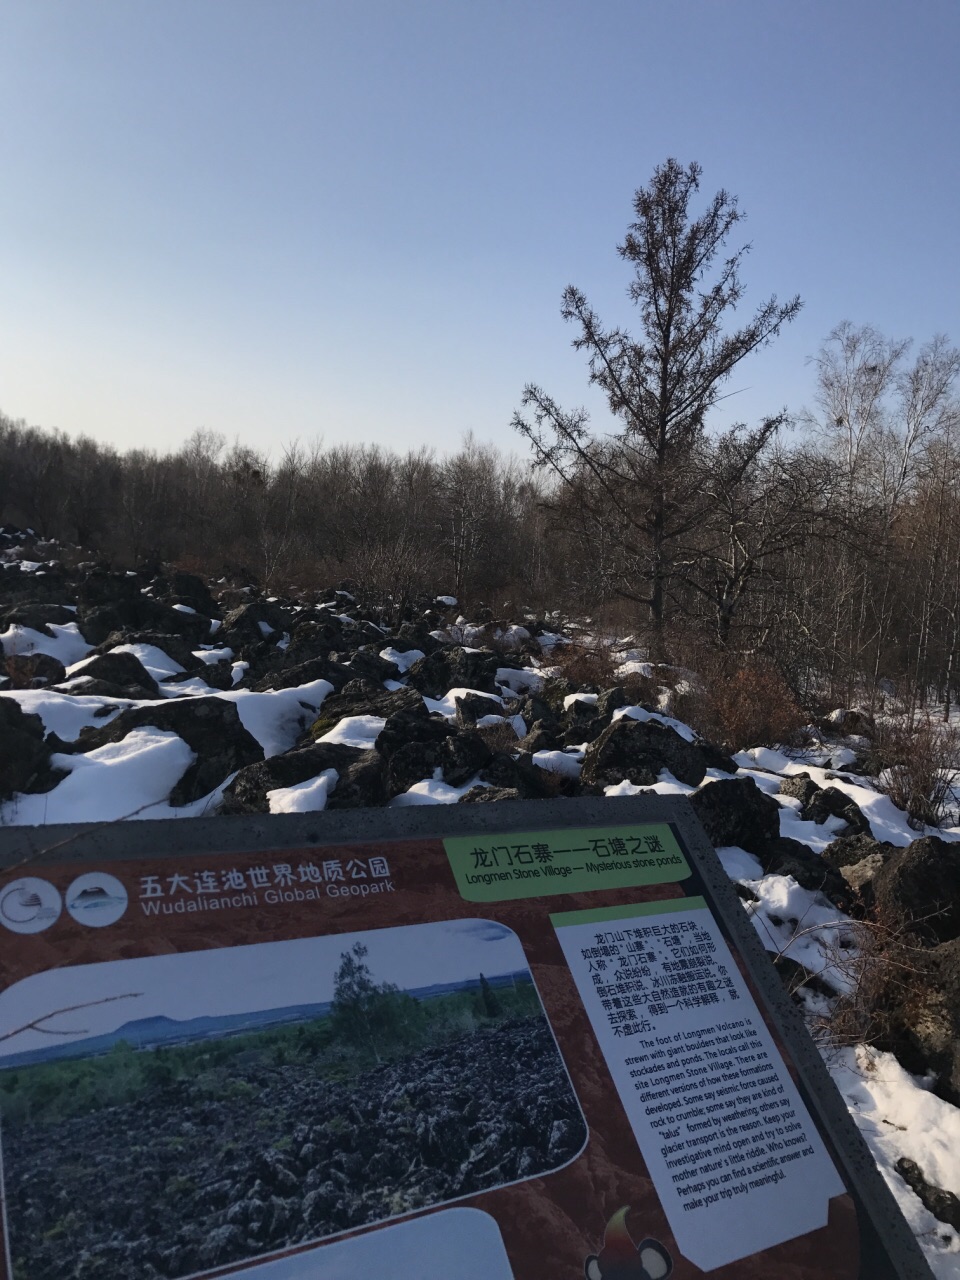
(641, 479)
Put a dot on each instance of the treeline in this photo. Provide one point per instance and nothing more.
(471, 524)
(833, 549)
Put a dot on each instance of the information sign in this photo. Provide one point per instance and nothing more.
(507, 1042)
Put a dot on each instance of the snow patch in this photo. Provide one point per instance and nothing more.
(558, 762)
(152, 658)
(119, 780)
(447, 705)
(433, 791)
(898, 1116)
(66, 643)
(278, 717)
(641, 714)
(304, 797)
(519, 681)
(571, 698)
(355, 731)
(402, 660)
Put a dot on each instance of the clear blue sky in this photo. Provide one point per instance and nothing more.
(354, 220)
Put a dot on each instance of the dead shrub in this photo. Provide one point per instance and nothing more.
(741, 704)
(918, 763)
(642, 691)
(888, 976)
(552, 783)
(20, 673)
(499, 737)
(586, 664)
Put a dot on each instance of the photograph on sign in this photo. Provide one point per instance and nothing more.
(513, 1055)
(266, 1051)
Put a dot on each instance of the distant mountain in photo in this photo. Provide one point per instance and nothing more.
(160, 1031)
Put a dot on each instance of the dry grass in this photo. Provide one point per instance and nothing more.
(499, 737)
(873, 982)
(918, 763)
(642, 691)
(19, 672)
(586, 664)
(889, 984)
(743, 703)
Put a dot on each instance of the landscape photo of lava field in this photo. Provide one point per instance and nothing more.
(189, 1142)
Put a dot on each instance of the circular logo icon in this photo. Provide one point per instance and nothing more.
(29, 905)
(96, 899)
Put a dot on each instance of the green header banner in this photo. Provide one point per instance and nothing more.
(537, 864)
(604, 915)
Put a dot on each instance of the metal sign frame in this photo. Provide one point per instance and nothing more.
(886, 1245)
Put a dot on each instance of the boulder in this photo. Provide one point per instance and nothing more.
(519, 774)
(540, 737)
(361, 783)
(861, 875)
(583, 722)
(415, 635)
(210, 727)
(930, 1019)
(37, 615)
(831, 802)
(33, 670)
(139, 613)
(411, 723)
(250, 624)
(364, 664)
(363, 698)
(218, 675)
(858, 859)
(944, 1205)
(174, 646)
(734, 811)
(23, 754)
(715, 758)
(611, 700)
(800, 786)
(458, 756)
(314, 638)
(786, 857)
(122, 671)
(50, 586)
(100, 587)
(462, 755)
(474, 707)
(247, 793)
(290, 677)
(536, 709)
(637, 751)
(188, 589)
(489, 795)
(410, 763)
(852, 721)
(456, 668)
(848, 851)
(919, 887)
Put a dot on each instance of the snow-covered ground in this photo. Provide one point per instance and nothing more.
(897, 1113)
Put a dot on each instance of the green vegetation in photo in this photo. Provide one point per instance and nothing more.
(369, 1023)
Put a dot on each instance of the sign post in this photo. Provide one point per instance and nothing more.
(480, 1042)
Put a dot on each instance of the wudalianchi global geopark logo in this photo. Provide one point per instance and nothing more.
(96, 899)
(30, 904)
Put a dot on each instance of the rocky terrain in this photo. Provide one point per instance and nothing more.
(205, 1171)
(155, 694)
